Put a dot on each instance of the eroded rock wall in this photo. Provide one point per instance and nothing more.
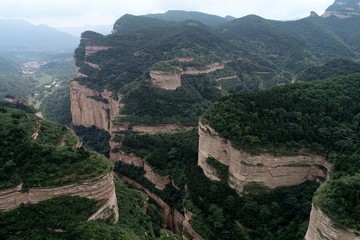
(172, 80)
(92, 108)
(173, 219)
(92, 49)
(264, 170)
(158, 180)
(101, 188)
(165, 80)
(322, 227)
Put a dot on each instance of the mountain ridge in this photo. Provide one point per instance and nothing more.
(21, 34)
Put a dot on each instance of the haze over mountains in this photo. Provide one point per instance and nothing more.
(173, 100)
(21, 35)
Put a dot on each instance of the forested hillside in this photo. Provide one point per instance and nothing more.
(319, 117)
(136, 96)
(36, 153)
(256, 54)
(170, 72)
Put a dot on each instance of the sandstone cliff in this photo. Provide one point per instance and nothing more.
(343, 9)
(265, 171)
(322, 227)
(101, 188)
(165, 80)
(173, 219)
(92, 49)
(158, 180)
(172, 80)
(92, 108)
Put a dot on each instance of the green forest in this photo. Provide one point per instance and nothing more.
(219, 212)
(66, 218)
(319, 116)
(33, 149)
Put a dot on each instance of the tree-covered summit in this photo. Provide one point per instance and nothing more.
(39, 153)
(320, 116)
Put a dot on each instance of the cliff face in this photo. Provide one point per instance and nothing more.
(165, 80)
(173, 219)
(343, 9)
(263, 170)
(158, 180)
(92, 49)
(92, 108)
(322, 227)
(101, 188)
(171, 81)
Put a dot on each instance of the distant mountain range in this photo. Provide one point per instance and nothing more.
(180, 16)
(77, 30)
(18, 34)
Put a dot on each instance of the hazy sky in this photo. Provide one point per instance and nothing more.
(64, 13)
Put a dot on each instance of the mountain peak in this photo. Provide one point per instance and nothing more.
(343, 9)
(180, 16)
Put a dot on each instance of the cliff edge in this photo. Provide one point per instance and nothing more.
(322, 227)
(246, 171)
(92, 108)
(101, 189)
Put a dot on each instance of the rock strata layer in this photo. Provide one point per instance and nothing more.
(101, 188)
(172, 80)
(92, 108)
(264, 170)
(322, 227)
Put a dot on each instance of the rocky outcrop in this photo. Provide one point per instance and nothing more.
(227, 78)
(322, 227)
(343, 9)
(92, 108)
(207, 69)
(172, 80)
(188, 231)
(101, 188)
(92, 49)
(158, 180)
(165, 80)
(264, 170)
(93, 65)
(185, 59)
(173, 219)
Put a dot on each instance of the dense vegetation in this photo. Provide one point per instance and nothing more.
(320, 116)
(56, 106)
(41, 153)
(259, 53)
(94, 138)
(166, 153)
(62, 70)
(53, 218)
(334, 68)
(11, 80)
(219, 213)
(149, 105)
(66, 218)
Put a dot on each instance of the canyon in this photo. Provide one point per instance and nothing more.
(100, 189)
(172, 218)
(92, 108)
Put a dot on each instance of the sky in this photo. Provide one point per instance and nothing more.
(68, 13)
